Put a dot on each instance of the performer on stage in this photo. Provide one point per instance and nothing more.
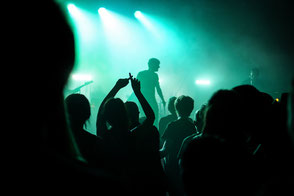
(149, 82)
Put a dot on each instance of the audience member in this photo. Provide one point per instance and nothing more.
(199, 124)
(164, 121)
(133, 114)
(173, 137)
(150, 178)
(113, 128)
(79, 111)
(224, 116)
(132, 154)
(220, 151)
(44, 156)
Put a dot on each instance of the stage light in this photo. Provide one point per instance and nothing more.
(202, 82)
(143, 18)
(81, 77)
(102, 11)
(147, 21)
(108, 18)
(138, 14)
(71, 7)
(73, 10)
(115, 27)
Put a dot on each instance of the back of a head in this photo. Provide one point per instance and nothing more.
(184, 105)
(171, 105)
(116, 114)
(51, 52)
(44, 59)
(133, 112)
(78, 108)
(224, 114)
(255, 105)
(248, 93)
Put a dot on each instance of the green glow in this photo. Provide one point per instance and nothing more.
(148, 23)
(211, 42)
(116, 27)
(109, 45)
(202, 82)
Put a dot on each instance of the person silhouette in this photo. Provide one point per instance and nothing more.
(149, 174)
(199, 124)
(173, 137)
(132, 148)
(164, 121)
(79, 111)
(43, 152)
(133, 110)
(149, 82)
(113, 127)
(219, 151)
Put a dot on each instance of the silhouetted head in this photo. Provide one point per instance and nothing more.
(133, 113)
(116, 114)
(46, 46)
(184, 106)
(224, 115)
(255, 106)
(78, 109)
(52, 49)
(49, 59)
(248, 93)
(153, 64)
(171, 105)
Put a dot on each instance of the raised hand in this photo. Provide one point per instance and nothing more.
(135, 83)
(150, 117)
(131, 76)
(122, 82)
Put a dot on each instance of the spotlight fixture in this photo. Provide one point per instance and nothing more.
(102, 10)
(138, 14)
(202, 82)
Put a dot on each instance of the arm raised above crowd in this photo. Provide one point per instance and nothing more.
(150, 116)
(101, 123)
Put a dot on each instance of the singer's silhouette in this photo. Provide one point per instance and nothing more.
(149, 82)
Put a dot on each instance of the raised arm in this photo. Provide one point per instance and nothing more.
(150, 116)
(101, 127)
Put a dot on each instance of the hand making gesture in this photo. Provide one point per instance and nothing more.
(122, 83)
(135, 83)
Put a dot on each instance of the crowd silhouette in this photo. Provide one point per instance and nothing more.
(240, 142)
